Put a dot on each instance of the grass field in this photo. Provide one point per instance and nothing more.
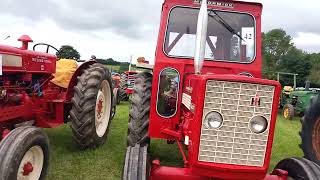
(67, 162)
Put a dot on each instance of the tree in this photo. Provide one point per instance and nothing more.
(295, 61)
(314, 76)
(275, 45)
(68, 52)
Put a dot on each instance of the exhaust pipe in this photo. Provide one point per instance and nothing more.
(201, 37)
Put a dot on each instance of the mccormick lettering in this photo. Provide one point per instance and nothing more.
(213, 3)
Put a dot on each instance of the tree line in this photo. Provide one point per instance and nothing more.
(281, 55)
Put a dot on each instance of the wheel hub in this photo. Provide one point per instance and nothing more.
(31, 165)
(316, 138)
(100, 106)
(286, 113)
(103, 107)
(27, 169)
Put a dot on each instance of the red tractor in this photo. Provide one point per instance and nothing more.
(217, 109)
(127, 82)
(30, 99)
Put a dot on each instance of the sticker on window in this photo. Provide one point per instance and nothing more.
(0, 65)
(247, 34)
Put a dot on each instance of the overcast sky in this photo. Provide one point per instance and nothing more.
(119, 29)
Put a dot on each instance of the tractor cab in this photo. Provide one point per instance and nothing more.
(232, 47)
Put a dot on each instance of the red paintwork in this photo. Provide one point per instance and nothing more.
(46, 107)
(25, 39)
(27, 169)
(173, 173)
(130, 76)
(129, 90)
(185, 122)
(185, 66)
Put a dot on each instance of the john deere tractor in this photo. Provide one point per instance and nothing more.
(294, 102)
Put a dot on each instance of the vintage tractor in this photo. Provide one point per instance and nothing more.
(126, 84)
(296, 101)
(30, 98)
(217, 109)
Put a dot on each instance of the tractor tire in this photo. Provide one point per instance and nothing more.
(123, 95)
(90, 116)
(117, 95)
(288, 111)
(24, 154)
(113, 111)
(137, 164)
(140, 109)
(114, 107)
(300, 168)
(310, 132)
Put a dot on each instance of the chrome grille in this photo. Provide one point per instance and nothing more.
(131, 79)
(233, 142)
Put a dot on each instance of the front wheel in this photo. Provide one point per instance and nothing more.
(91, 111)
(300, 169)
(288, 111)
(139, 112)
(24, 154)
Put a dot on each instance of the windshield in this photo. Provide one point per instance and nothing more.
(222, 44)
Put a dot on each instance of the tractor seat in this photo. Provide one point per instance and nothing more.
(65, 69)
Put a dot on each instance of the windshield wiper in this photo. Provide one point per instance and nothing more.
(220, 20)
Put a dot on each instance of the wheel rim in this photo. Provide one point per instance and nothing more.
(316, 138)
(286, 113)
(31, 165)
(102, 110)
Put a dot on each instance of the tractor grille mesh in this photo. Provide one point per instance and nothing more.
(131, 79)
(233, 142)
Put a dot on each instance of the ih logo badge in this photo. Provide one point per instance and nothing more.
(255, 101)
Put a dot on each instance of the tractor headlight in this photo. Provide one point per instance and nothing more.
(213, 120)
(258, 124)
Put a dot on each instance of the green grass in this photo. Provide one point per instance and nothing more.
(286, 141)
(67, 162)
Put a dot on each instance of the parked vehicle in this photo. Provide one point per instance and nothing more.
(217, 109)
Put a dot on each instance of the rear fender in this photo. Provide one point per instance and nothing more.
(74, 79)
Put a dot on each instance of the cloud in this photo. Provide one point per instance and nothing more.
(127, 18)
(122, 28)
(308, 41)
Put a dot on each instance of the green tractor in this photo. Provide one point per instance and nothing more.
(295, 102)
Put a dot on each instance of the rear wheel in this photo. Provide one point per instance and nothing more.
(310, 132)
(288, 111)
(91, 111)
(24, 154)
(140, 109)
(300, 169)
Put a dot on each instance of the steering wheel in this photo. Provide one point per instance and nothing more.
(48, 46)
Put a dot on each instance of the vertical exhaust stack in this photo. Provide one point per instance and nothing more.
(25, 39)
(201, 36)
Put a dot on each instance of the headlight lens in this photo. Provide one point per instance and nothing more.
(258, 124)
(213, 120)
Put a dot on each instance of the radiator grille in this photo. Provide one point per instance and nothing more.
(233, 142)
(131, 79)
